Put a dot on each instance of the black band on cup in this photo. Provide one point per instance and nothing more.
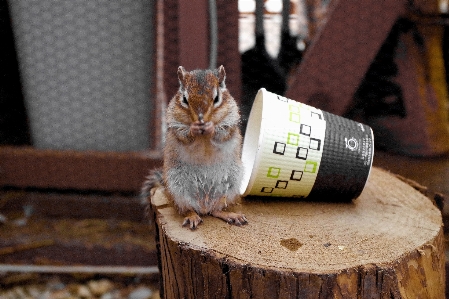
(346, 160)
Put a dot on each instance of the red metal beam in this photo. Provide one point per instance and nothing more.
(342, 51)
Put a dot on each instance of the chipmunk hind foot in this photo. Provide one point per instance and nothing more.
(231, 217)
(192, 219)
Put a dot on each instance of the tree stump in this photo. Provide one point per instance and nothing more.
(388, 243)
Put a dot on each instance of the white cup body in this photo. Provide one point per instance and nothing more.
(284, 145)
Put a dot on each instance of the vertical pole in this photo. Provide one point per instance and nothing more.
(193, 34)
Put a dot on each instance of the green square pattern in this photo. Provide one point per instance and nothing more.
(294, 117)
(273, 172)
(310, 166)
(293, 139)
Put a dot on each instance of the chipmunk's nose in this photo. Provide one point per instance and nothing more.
(201, 118)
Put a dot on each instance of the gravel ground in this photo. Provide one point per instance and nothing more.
(55, 287)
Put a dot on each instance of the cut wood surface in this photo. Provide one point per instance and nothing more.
(388, 243)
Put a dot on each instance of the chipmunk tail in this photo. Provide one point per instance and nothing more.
(154, 179)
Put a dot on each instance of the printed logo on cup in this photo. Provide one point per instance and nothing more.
(295, 150)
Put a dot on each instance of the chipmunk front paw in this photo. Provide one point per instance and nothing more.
(200, 128)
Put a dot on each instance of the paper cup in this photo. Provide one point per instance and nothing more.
(295, 150)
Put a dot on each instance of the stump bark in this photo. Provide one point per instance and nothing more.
(388, 243)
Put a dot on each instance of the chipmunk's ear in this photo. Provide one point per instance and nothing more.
(221, 76)
(181, 75)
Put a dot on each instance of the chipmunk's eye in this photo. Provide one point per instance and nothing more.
(184, 100)
(217, 99)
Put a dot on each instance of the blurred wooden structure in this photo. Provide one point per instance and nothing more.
(327, 79)
(341, 53)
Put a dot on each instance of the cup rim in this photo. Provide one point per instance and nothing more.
(252, 143)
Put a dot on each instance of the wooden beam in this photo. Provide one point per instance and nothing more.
(105, 171)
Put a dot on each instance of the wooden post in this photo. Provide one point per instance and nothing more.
(388, 243)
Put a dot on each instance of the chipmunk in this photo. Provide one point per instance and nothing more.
(202, 169)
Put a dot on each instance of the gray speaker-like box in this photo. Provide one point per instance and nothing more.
(85, 67)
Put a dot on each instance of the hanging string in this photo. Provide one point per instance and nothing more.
(213, 28)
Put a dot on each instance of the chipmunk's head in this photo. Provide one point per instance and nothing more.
(201, 92)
